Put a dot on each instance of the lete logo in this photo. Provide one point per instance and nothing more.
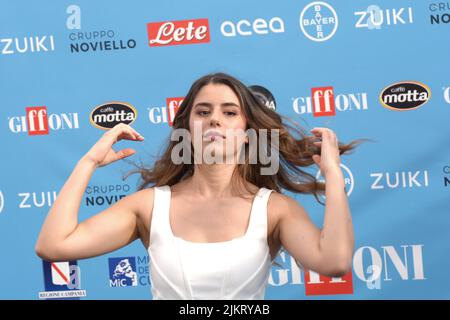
(178, 32)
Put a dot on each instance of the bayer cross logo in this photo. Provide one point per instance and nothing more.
(318, 21)
(122, 272)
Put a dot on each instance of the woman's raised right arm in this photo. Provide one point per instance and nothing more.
(62, 238)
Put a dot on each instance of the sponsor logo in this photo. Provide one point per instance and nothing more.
(373, 267)
(403, 179)
(2, 202)
(166, 114)
(129, 271)
(180, 32)
(38, 122)
(324, 102)
(318, 21)
(92, 41)
(100, 195)
(27, 44)
(348, 179)
(109, 114)
(374, 17)
(404, 96)
(264, 96)
(446, 170)
(439, 12)
(246, 28)
(62, 281)
(122, 272)
(447, 94)
(317, 285)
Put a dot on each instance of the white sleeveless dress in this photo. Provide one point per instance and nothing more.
(235, 269)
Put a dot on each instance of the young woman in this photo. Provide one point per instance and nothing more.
(212, 229)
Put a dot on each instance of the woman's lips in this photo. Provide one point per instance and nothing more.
(213, 137)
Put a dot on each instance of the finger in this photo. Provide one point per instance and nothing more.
(130, 134)
(122, 127)
(125, 134)
(125, 153)
(316, 159)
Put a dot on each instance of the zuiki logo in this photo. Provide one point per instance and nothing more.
(109, 114)
(397, 180)
(318, 21)
(170, 33)
(374, 17)
(36, 199)
(27, 44)
(405, 95)
(62, 280)
(122, 272)
(38, 122)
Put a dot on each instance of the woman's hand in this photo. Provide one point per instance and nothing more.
(329, 159)
(102, 152)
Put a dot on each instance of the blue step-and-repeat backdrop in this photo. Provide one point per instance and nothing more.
(366, 69)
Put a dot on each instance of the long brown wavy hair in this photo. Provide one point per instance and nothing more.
(294, 152)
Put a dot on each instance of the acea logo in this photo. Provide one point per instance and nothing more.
(62, 281)
(107, 115)
(318, 21)
(248, 28)
(405, 95)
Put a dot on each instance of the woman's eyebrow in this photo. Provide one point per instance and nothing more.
(209, 105)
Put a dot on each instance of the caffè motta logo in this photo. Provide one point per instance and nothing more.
(107, 115)
(405, 95)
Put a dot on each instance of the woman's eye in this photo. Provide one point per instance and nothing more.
(202, 113)
(230, 113)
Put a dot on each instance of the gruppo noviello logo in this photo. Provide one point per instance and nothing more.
(62, 280)
(122, 272)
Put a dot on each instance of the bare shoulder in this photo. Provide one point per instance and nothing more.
(142, 205)
(281, 206)
(144, 202)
